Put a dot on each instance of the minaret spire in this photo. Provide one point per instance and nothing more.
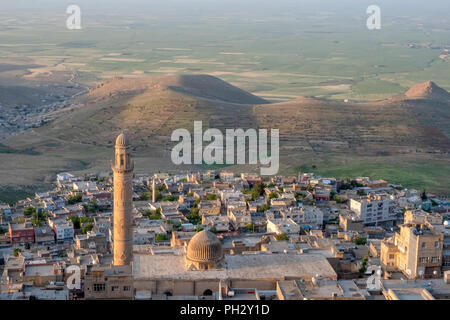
(123, 202)
(153, 189)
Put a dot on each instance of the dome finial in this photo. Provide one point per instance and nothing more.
(122, 140)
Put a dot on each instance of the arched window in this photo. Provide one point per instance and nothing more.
(207, 292)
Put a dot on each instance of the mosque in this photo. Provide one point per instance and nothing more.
(199, 268)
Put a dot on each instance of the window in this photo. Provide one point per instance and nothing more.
(126, 288)
(436, 244)
(423, 260)
(423, 245)
(391, 256)
(115, 288)
(435, 259)
(99, 287)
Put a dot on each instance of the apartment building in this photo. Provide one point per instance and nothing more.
(372, 209)
(416, 251)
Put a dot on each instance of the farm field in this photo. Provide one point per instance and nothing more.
(275, 52)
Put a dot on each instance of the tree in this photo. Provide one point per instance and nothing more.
(86, 219)
(257, 190)
(198, 229)
(38, 218)
(299, 196)
(27, 246)
(273, 195)
(75, 220)
(250, 227)
(161, 237)
(264, 207)
(360, 241)
(16, 252)
(213, 230)
(19, 220)
(36, 223)
(145, 196)
(363, 268)
(153, 215)
(194, 217)
(424, 195)
(92, 206)
(86, 228)
(28, 211)
(72, 199)
(282, 236)
(177, 225)
(355, 184)
(339, 199)
(211, 196)
(170, 198)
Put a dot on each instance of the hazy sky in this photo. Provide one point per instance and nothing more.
(439, 8)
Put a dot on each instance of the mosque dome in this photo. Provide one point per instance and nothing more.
(204, 247)
(122, 140)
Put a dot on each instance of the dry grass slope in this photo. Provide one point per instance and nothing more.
(311, 130)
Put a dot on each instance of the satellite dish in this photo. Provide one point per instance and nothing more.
(421, 272)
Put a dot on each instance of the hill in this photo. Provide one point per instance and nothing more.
(408, 136)
(427, 90)
(200, 86)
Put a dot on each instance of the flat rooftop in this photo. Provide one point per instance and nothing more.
(410, 294)
(254, 266)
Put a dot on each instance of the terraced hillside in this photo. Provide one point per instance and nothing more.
(404, 138)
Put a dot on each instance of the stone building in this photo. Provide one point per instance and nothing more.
(115, 282)
(199, 268)
(92, 240)
(416, 251)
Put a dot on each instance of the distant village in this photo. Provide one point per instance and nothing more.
(330, 238)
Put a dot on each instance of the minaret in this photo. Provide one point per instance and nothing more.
(153, 190)
(123, 203)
